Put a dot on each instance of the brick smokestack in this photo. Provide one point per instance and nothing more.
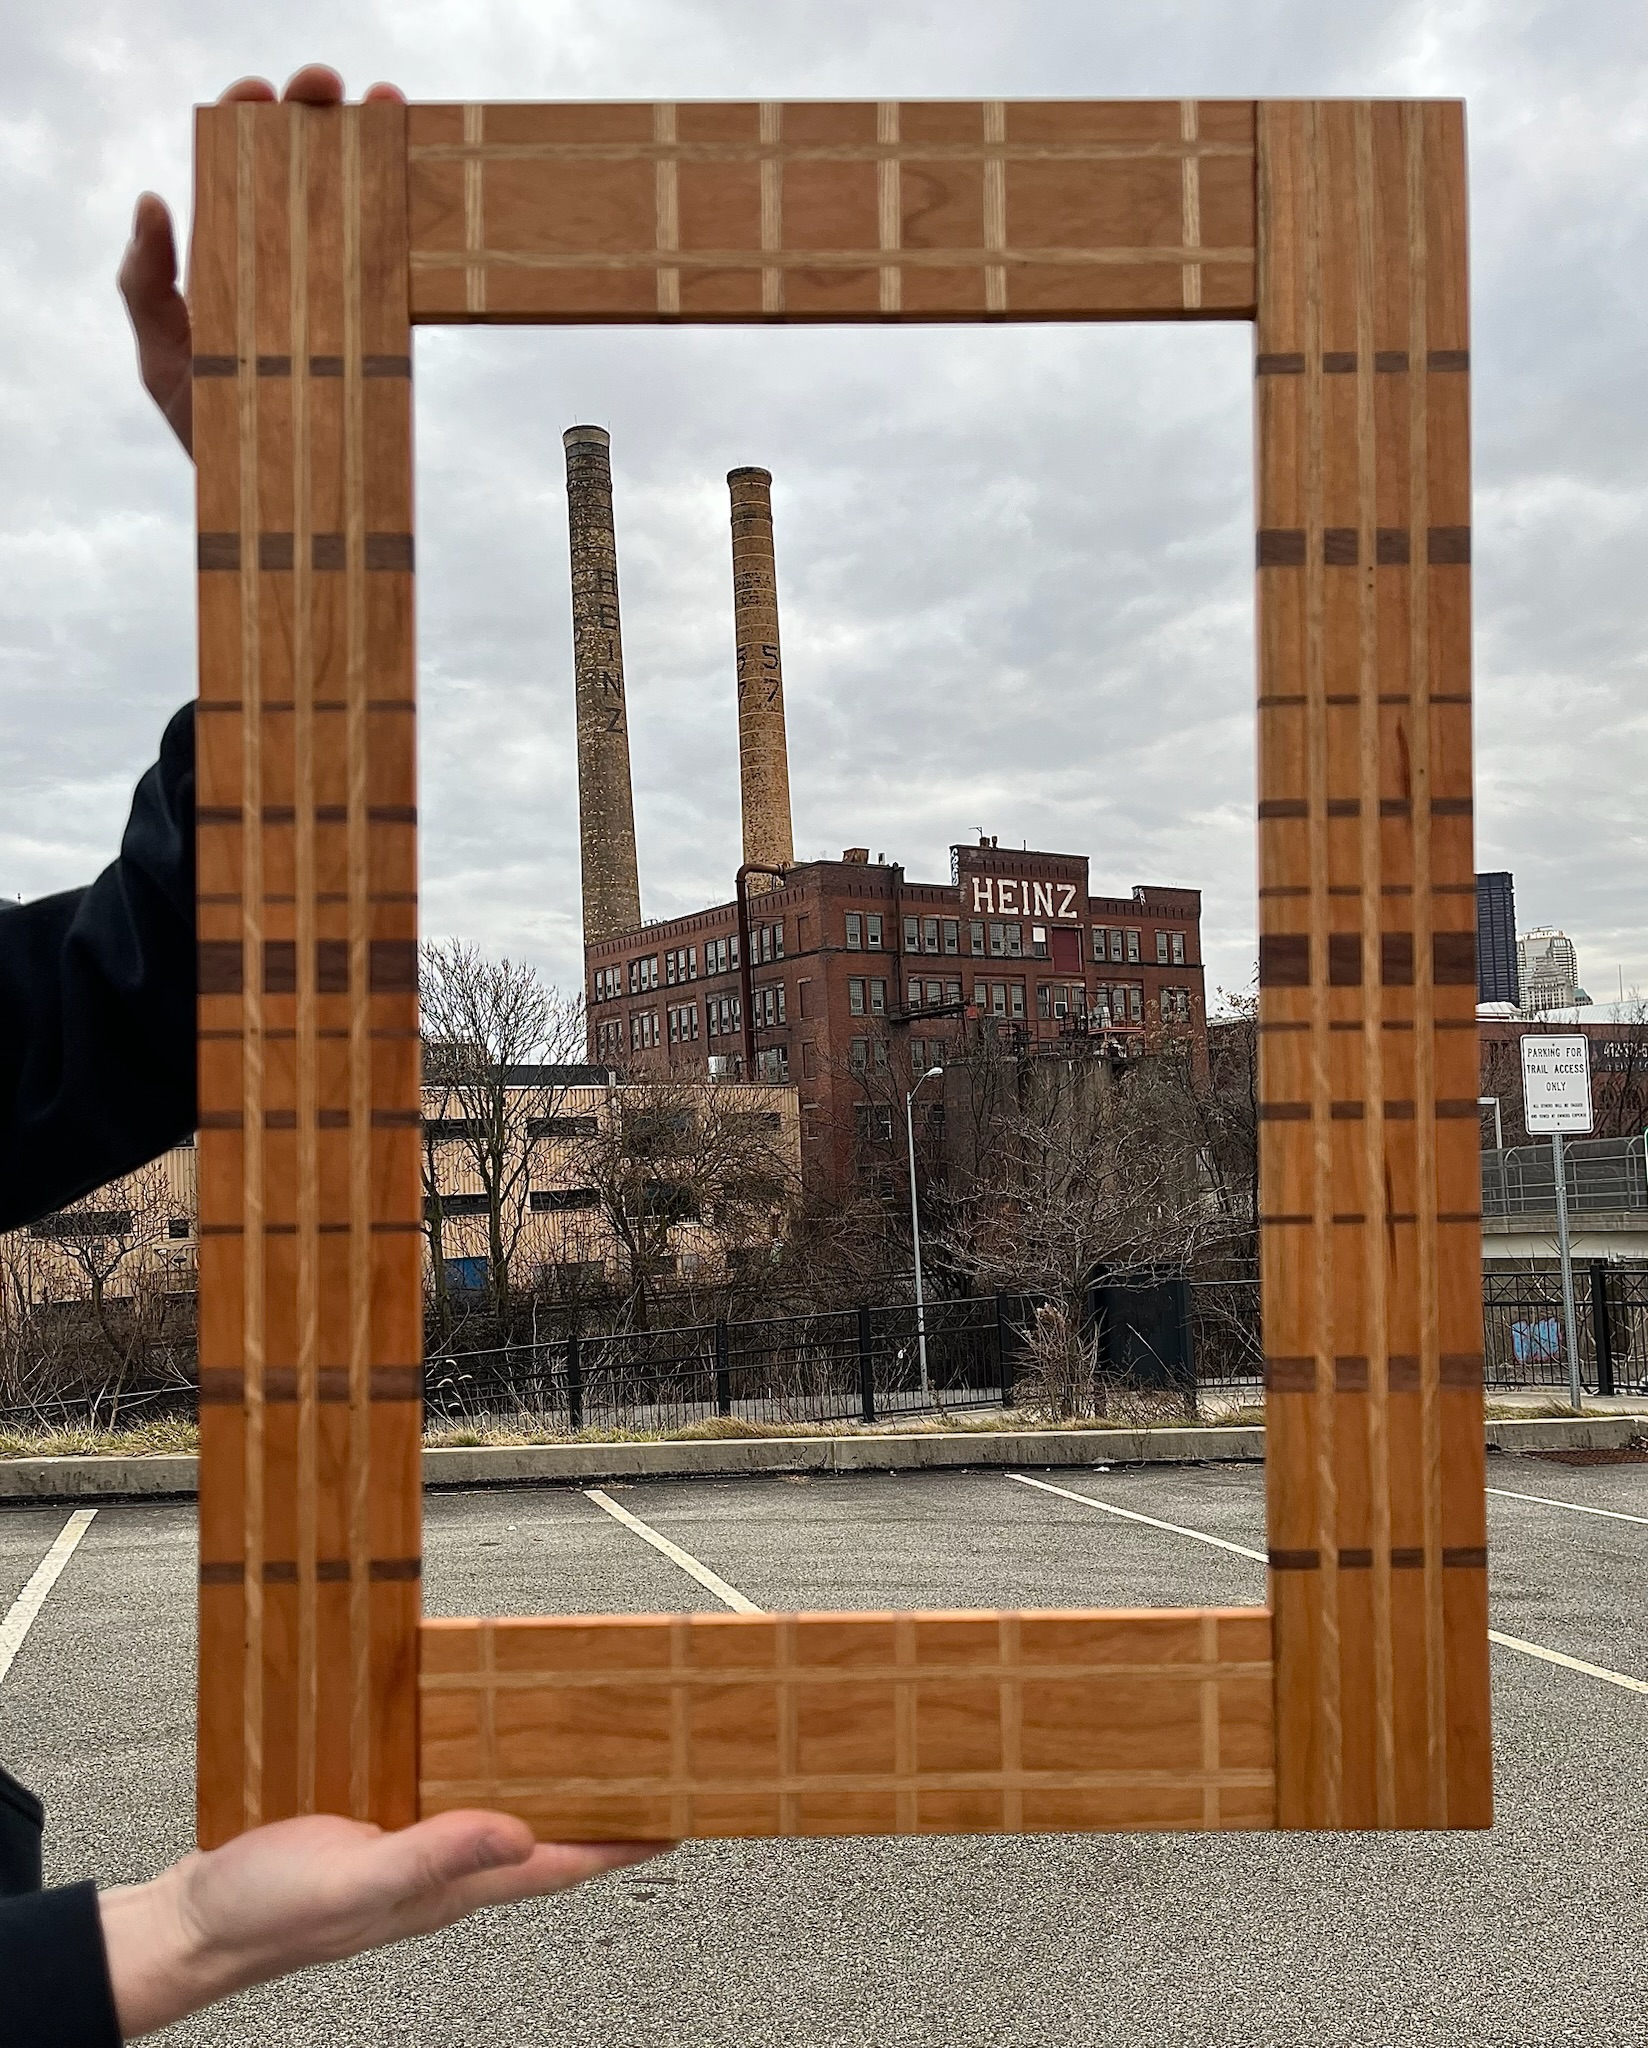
(763, 751)
(606, 808)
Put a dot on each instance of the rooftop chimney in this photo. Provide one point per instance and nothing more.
(763, 751)
(606, 808)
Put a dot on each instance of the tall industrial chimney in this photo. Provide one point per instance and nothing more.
(763, 752)
(606, 808)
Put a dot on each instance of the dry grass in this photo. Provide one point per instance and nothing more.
(168, 1437)
(174, 1436)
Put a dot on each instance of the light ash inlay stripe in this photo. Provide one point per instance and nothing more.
(995, 207)
(1374, 1251)
(889, 202)
(252, 1061)
(358, 880)
(772, 207)
(1424, 1004)
(306, 1018)
(474, 118)
(666, 186)
(1191, 175)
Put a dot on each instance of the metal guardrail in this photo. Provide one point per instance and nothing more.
(1600, 1174)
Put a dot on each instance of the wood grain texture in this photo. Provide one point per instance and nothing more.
(310, 1317)
(817, 211)
(319, 236)
(666, 1726)
(1369, 1170)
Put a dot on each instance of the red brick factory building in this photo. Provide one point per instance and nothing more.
(843, 977)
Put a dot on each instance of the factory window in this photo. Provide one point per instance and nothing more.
(858, 1055)
(177, 1226)
(1100, 937)
(1132, 946)
(681, 964)
(952, 993)
(550, 1199)
(1161, 949)
(773, 1064)
(1175, 1005)
(769, 1004)
(1178, 949)
(855, 996)
(872, 931)
(643, 1030)
(918, 1055)
(1061, 1003)
(768, 942)
(778, 940)
(975, 936)
(913, 996)
(643, 973)
(929, 934)
(912, 935)
(1007, 941)
(855, 932)
(878, 998)
(1000, 998)
(607, 983)
(683, 1025)
(1135, 1004)
(874, 1121)
(935, 994)
(1038, 941)
(609, 1038)
(952, 936)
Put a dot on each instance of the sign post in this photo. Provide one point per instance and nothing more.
(1556, 1097)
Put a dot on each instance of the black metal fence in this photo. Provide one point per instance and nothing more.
(1524, 1340)
(846, 1364)
(1154, 1332)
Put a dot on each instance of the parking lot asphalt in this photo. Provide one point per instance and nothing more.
(1534, 1933)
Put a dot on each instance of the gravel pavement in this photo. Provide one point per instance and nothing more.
(1536, 1933)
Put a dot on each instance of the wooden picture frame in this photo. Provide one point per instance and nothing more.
(1359, 1696)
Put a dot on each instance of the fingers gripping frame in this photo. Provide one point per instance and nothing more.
(1358, 1698)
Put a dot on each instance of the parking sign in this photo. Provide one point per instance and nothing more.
(1556, 1084)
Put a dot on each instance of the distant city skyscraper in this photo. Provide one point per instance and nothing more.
(1548, 971)
(1496, 947)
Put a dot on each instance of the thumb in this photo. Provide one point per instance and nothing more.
(449, 1847)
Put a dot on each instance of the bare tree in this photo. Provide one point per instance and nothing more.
(673, 1159)
(497, 1045)
(1090, 1170)
(95, 1309)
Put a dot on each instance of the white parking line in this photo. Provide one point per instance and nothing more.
(1568, 1663)
(1241, 1550)
(1573, 1506)
(1150, 1521)
(33, 1596)
(729, 1596)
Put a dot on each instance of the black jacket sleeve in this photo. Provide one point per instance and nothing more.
(54, 1972)
(97, 1006)
(54, 1975)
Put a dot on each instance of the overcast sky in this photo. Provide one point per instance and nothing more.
(1014, 564)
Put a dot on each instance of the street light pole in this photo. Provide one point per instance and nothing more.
(915, 1224)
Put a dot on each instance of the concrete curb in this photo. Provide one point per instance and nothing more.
(173, 1478)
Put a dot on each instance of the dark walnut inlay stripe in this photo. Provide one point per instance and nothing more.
(1284, 960)
(1290, 1375)
(218, 968)
(1295, 1560)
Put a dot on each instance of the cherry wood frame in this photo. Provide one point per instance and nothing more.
(1359, 1696)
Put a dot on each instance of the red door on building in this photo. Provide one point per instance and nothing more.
(1065, 946)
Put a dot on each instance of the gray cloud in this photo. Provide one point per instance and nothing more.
(1014, 564)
